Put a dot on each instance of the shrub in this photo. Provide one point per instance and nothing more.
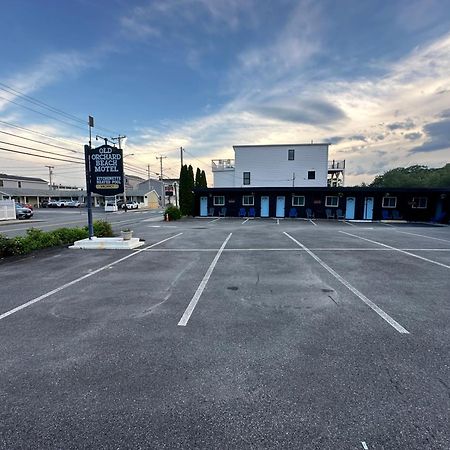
(102, 228)
(173, 212)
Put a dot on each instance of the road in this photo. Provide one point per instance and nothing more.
(50, 219)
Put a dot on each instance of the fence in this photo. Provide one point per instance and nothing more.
(7, 210)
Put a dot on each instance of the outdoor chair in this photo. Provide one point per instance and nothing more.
(439, 218)
(242, 212)
(309, 213)
(251, 212)
(211, 212)
(293, 213)
(340, 214)
(223, 212)
(329, 213)
(396, 215)
(386, 214)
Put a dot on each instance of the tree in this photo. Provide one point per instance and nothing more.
(414, 176)
(203, 178)
(198, 178)
(184, 190)
(190, 193)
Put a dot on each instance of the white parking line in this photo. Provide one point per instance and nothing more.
(422, 235)
(189, 310)
(214, 220)
(245, 221)
(319, 249)
(360, 295)
(349, 223)
(397, 249)
(312, 221)
(90, 274)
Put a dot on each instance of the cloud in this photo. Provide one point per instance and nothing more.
(406, 125)
(413, 136)
(445, 114)
(438, 137)
(317, 112)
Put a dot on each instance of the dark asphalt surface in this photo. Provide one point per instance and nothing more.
(277, 353)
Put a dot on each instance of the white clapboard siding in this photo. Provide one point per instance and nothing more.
(269, 165)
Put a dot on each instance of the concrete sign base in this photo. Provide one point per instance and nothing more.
(115, 243)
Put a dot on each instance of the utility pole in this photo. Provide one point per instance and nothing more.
(181, 156)
(119, 142)
(50, 174)
(163, 194)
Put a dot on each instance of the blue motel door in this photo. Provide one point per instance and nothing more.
(203, 206)
(368, 208)
(264, 206)
(280, 206)
(350, 208)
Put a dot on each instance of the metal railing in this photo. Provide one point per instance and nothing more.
(336, 165)
(222, 164)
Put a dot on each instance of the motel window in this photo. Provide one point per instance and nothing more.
(389, 202)
(19, 184)
(246, 177)
(311, 174)
(332, 201)
(1, 183)
(419, 203)
(248, 200)
(291, 154)
(219, 200)
(298, 200)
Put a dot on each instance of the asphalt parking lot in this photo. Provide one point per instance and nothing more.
(230, 333)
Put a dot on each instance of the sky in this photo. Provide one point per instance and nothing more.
(370, 77)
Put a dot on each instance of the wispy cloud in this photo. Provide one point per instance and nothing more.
(374, 111)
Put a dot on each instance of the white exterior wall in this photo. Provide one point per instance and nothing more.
(269, 165)
(224, 178)
(25, 184)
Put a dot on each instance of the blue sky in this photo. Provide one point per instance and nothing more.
(371, 77)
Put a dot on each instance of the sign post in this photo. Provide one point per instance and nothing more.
(104, 165)
(87, 154)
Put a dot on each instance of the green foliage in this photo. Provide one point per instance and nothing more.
(198, 178)
(186, 194)
(414, 176)
(204, 183)
(37, 239)
(102, 228)
(173, 212)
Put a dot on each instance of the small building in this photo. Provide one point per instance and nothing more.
(19, 182)
(350, 203)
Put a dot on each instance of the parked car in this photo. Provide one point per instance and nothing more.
(73, 204)
(131, 205)
(27, 205)
(22, 212)
(57, 203)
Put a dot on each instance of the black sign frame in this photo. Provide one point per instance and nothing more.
(106, 170)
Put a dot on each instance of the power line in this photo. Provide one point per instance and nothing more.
(39, 150)
(39, 142)
(42, 113)
(38, 133)
(38, 156)
(44, 105)
(202, 162)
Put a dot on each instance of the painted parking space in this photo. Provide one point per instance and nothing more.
(275, 347)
